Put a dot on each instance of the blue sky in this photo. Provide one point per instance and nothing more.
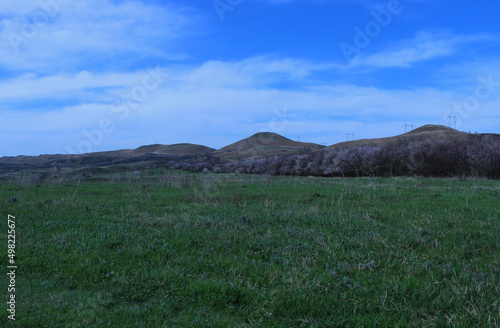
(82, 76)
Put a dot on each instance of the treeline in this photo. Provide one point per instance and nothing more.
(475, 156)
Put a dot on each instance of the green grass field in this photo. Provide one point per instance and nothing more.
(173, 249)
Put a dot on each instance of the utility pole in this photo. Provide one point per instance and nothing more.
(350, 135)
(454, 121)
(408, 125)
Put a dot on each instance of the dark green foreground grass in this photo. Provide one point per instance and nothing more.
(174, 251)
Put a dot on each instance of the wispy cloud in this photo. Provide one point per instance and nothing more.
(255, 71)
(18, 8)
(81, 33)
(425, 46)
(33, 87)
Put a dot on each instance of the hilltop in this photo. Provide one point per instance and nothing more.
(429, 131)
(264, 144)
(181, 149)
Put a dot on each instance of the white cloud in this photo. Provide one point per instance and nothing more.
(77, 33)
(256, 71)
(20, 8)
(83, 85)
(425, 46)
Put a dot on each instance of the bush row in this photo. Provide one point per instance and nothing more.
(475, 156)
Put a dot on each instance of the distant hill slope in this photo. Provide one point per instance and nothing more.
(176, 149)
(418, 134)
(432, 128)
(262, 145)
(182, 149)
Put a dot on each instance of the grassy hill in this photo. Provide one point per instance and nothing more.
(176, 149)
(262, 145)
(428, 131)
(183, 149)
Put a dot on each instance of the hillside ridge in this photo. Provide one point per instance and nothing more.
(261, 144)
(423, 132)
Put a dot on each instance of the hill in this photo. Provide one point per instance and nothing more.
(424, 132)
(181, 149)
(264, 144)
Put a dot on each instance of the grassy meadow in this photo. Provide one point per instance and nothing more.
(175, 249)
